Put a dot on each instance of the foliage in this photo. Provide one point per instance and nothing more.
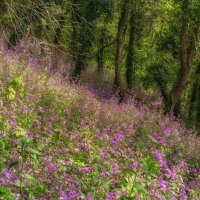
(61, 141)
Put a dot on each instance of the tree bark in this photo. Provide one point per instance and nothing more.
(101, 49)
(75, 37)
(120, 37)
(194, 106)
(130, 56)
(187, 52)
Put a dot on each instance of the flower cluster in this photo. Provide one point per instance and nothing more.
(64, 141)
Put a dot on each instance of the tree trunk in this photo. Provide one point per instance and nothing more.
(197, 122)
(56, 51)
(58, 31)
(187, 53)
(120, 36)
(130, 56)
(194, 107)
(100, 53)
(75, 37)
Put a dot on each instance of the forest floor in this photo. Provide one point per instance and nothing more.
(60, 140)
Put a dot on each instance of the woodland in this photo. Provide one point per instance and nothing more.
(99, 99)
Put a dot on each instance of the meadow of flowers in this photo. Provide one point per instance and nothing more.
(60, 140)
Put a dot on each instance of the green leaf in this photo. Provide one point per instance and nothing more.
(34, 151)
(127, 171)
(17, 82)
(127, 198)
(144, 164)
(28, 176)
(11, 93)
(138, 187)
(20, 132)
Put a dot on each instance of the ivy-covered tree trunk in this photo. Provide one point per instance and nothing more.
(197, 122)
(120, 37)
(130, 56)
(194, 104)
(187, 53)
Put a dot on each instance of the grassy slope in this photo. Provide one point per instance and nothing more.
(59, 141)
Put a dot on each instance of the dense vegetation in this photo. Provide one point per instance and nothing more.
(99, 99)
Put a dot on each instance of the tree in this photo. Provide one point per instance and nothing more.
(119, 42)
(188, 42)
(136, 23)
(194, 101)
(88, 12)
(130, 56)
(28, 16)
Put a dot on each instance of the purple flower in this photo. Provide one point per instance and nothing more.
(135, 165)
(160, 158)
(167, 131)
(89, 197)
(104, 174)
(107, 130)
(102, 155)
(3, 134)
(158, 103)
(25, 111)
(42, 110)
(32, 98)
(64, 151)
(73, 194)
(162, 185)
(85, 169)
(162, 140)
(7, 174)
(51, 132)
(169, 173)
(112, 195)
(117, 138)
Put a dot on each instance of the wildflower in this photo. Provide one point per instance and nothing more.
(162, 186)
(25, 111)
(64, 151)
(117, 138)
(42, 110)
(104, 174)
(112, 195)
(167, 131)
(161, 160)
(73, 194)
(7, 173)
(102, 155)
(135, 165)
(32, 98)
(89, 197)
(158, 103)
(85, 170)
(107, 130)
(162, 140)
(3, 134)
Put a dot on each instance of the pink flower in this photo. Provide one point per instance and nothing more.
(42, 110)
(167, 131)
(85, 169)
